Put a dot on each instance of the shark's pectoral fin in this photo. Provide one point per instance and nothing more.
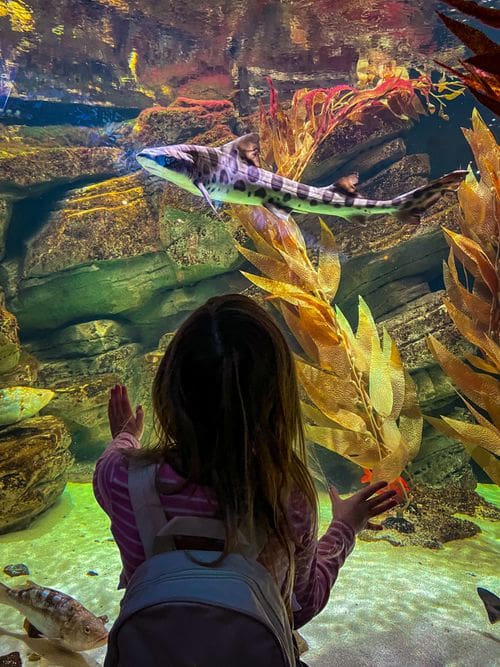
(206, 196)
(280, 212)
(33, 632)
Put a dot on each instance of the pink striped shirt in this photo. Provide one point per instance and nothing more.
(317, 561)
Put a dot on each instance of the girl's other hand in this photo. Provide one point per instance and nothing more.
(358, 509)
(121, 417)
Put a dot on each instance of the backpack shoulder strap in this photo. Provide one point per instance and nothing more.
(148, 511)
(157, 533)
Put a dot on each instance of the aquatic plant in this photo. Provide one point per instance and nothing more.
(482, 71)
(472, 301)
(293, 135)
(361, 402)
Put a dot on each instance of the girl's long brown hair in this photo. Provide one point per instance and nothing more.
(227, 413)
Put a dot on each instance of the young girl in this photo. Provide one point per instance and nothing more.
(231, 445)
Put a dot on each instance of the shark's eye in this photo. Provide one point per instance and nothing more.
(164, 160)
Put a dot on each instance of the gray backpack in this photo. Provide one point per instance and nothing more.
(177, 613)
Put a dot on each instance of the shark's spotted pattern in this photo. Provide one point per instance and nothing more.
(231, 173)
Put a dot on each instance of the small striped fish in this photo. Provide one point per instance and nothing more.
(231, 173)
(57, 616)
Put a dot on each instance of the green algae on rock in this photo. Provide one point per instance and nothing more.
(107, 220)
(143, 247)
(82, 387)
(24, 374)
(5, 213)
(35, 170)
(166, 309)
(10, 348)
(86, 339)
(19, 403)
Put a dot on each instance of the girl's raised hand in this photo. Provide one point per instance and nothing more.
(121, 417)
(358, 509)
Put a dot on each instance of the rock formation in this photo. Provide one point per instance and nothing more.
(34, 450)
(118, 259)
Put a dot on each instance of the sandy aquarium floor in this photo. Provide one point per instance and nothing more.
(403, 607)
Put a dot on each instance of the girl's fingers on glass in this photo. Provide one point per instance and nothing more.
(371, 489)
(384, 507)
(381, 497)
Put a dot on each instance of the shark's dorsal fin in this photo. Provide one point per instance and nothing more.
(247, 146)
(347, 183)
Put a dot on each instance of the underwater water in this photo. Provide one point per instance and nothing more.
(102, 257)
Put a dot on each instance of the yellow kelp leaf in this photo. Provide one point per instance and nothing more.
(477, 308)
(464, 324)
(482, 141)
(336, 391)
(396, 374)
(477, 204)
(256, 224)
(303, 270)
(325, 337)
(287, 237)
(391, 466)
(348, 420)
(273, 268)
(477, 386)
(316, 416)
(492, 351)
(366, 333)
(335, 358)
(473, 258)
(304, 339)
(321, 324)
(411, 420)
(476, 434)
(361, 448)
(391, 435)
(380, 386)
(290, 293)
(493, 409)
(328, 404)
(328, 263)
(488, 462)
(361, 360)
(442, 427)
(481, 363)
(480, 418)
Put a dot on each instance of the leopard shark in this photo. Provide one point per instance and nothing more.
(232, 173)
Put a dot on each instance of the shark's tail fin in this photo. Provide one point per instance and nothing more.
(412, 204)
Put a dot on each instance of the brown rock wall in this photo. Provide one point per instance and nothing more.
(34, 457)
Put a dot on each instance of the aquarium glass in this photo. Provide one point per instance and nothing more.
(381, 269)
